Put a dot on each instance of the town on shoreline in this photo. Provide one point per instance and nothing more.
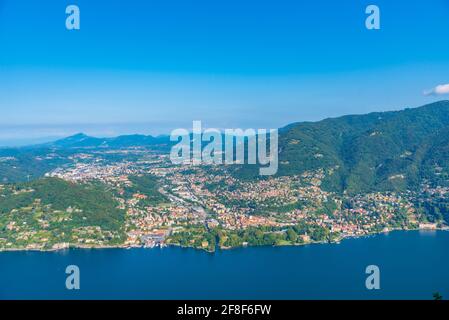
(148, 202)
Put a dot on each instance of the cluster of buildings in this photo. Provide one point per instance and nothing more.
(87, 171)
(212, 197)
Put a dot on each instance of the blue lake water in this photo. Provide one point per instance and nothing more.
(413, 265)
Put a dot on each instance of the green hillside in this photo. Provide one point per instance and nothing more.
(379, 151)
(55, 211)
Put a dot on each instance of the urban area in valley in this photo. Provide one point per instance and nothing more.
(142, 199)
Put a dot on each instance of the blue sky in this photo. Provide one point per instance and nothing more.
(151, 66)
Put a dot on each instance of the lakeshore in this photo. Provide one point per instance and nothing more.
(124, 246)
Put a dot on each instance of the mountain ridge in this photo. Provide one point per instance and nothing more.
(368, 150)
(81, 140)
(378, 151)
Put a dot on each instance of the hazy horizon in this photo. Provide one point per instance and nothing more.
(150, 67)
(20, 135)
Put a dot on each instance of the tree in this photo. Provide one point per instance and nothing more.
(291, 235)
(437, 296)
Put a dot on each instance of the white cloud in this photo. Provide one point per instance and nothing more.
(438, 90)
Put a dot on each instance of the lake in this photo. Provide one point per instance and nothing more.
(413, 265)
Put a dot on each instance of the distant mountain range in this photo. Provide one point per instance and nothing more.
(81, 140)
(360, 153)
